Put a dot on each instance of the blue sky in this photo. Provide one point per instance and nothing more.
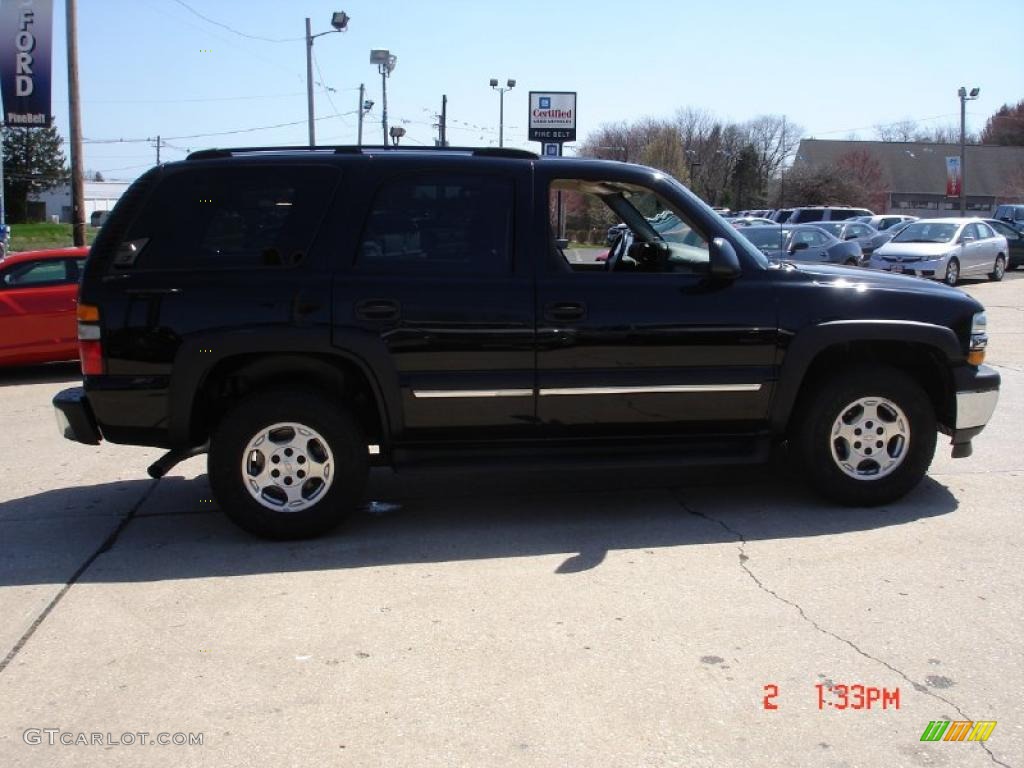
(152, 67)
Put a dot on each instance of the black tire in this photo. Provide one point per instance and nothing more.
(819, 410)
(258, 411)
(952, 276)
(999, 270)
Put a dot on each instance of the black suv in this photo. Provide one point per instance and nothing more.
(302, 314)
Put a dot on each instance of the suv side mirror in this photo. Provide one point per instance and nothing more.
(799, 247)
(561, 243)
(724, 261)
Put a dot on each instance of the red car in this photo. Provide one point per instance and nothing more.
(38, 300)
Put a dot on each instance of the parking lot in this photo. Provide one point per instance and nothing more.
(525, 618)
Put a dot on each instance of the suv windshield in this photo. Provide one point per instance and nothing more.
(924, 232)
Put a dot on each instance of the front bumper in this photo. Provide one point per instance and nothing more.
(977, 392)
(75, 419)
(934, 268)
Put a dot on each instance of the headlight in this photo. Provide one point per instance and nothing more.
(979, 339)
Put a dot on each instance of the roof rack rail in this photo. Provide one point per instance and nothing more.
(216, 152)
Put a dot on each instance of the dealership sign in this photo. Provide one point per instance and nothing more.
(552, 116)
(26, 42)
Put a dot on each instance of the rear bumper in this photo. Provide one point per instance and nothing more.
(75, 419)
(977, 392)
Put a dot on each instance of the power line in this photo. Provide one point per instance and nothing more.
(191, 101)
(882, 125)
(207, 19)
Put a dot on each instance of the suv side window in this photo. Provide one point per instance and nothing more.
(439, 224)
(215, 218)
(809, 214)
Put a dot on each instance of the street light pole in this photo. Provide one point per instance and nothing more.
(384, 102)
(362, 98)
(385, 61)
(964, 98)
(339, 20)
(509, 85)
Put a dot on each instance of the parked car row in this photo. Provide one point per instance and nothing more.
(940, 249)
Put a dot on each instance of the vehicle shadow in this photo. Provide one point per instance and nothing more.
(47, 373)
(439, 517)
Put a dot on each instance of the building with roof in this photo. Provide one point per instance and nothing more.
(99, 196)
(915, 173)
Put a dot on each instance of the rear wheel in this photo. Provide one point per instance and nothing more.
(287, 464)
(952, 276)
(998, 270)
(866, 437)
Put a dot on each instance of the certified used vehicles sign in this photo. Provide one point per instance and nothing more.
(552, 116)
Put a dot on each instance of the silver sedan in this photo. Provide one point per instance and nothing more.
(945, 249)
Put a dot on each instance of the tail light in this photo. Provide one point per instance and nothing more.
(90, 343)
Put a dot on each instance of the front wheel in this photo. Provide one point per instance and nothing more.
(998, 270)
(952, 276)
(288, 464)
(866, 437)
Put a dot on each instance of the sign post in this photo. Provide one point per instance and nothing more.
(552, 122)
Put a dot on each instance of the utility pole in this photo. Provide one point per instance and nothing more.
(362, 101)
(443, 128)
(75, 115)
(309, 83)
(158, 149)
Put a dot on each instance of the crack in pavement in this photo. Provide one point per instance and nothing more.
(104, 547)
(744, 558)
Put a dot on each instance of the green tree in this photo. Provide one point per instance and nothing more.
(33, 162)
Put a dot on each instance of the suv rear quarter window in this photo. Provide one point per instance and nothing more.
(238, 217)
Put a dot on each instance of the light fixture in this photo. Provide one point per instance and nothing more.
(494, 82)
(339, 20)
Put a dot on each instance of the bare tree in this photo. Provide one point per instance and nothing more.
(901, 130)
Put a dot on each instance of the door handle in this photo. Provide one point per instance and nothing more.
(378, 309)
(565, 311)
